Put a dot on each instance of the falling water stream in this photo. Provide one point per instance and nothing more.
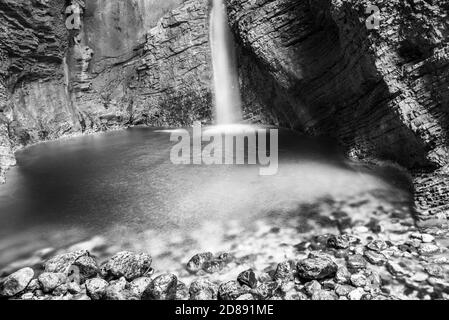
(226, 85)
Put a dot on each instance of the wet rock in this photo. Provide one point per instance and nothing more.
(202, 289)
(396, 269)
(328, 284)
(319, 242)
(266, 277)
(375, 258)
(127, 264)
(74, 288)
(284, 271)
(16, 282)
(96, 288)
(138, 286)
(324, 295)
(63, 262)
(343, 275)
(60, 290)
(311, 287)
(33, 285)
(377, 245)
(86, 267)
(208, 263)
(315, 268)
(162, 287)
(225, 257)
(341, 241)
(247, 278)
(343, 290)
(356, 294)
(374, 278)
(118, 290)
(266, 290)
(197, 261)
(213, 266)
(355, 263)
(39, 293)
(359, 280)
(427, 249)
(182, 292)
(230, 290)
(50, 281)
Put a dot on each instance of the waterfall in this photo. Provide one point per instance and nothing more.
(226, 86)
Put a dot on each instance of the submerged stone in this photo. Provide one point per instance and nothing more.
(316, 268)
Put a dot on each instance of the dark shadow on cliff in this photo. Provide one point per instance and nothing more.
(320, 76)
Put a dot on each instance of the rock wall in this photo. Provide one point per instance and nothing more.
(126, 63)
(382, 92)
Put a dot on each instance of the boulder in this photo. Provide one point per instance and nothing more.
(230, 290)
(63, 262)
(203, 289)
(163, 287)
(355, 263)
(311, 287)
(375, 258)
(96, 288)
(207, 262)
(49, 281)
(284, 271)
(87, 267)
(139, 285)
(182, 292)
(316, 268)
(127, 264)
(248, 278)
(118, 290)
(16, 282)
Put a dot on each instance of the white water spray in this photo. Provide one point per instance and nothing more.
(228, 106)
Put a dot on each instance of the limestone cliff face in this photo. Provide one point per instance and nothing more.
(126, 63)
(383, 93)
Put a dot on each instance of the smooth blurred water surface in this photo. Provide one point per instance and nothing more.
(122, 183)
